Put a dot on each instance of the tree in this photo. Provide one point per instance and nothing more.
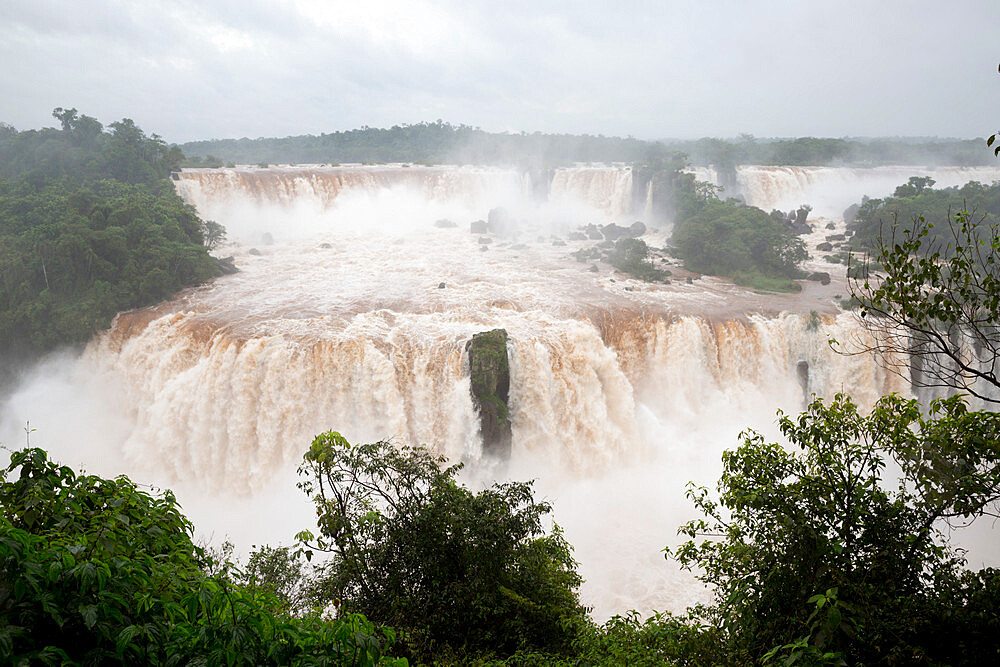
(818, 556)
(457, 572)
(933, 305)
(631, 256)
(728, 239)
(90, 224)
(914, 186)
(280, 572)
(97, 571)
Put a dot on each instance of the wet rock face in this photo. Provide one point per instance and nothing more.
(489, 372)
(227, 266)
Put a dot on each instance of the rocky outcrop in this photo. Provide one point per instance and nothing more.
(226, 265)
(489, 372)
(613, 232)
(802, 373)
(500, 222)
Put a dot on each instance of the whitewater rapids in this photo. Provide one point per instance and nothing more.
(351, 311)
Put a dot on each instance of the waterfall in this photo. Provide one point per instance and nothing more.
(299, 195)
(225, 402)
(606, 188)
(351, 311)
(830, 190)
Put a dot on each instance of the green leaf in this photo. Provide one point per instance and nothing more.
(89, 614)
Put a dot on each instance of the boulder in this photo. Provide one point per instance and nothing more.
(444, 223)
(576, 236)
(637, 229)
(478, 227)
(614, 232)
(593, 268)
(835, 237)
(500, 222)
(325, 246)
(483, 240)
(593, 232)
(267, 239)
(489, 375)
(254, 252)
(226, 266)
(822, 277)
(558, 242)
(441, 285)
(825, 247)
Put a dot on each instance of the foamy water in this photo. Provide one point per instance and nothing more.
(621, 391)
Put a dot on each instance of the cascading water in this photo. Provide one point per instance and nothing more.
(830, 190)
(356, 319)
(606, 188)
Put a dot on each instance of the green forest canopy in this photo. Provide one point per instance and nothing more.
(90, 225)
(873, 218)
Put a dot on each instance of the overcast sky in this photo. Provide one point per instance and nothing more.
(232, 68)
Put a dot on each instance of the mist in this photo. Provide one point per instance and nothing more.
(621, 393)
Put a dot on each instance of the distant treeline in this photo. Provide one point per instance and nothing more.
(90, 225)
(443, 143)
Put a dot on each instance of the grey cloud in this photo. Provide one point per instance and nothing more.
(191, 70)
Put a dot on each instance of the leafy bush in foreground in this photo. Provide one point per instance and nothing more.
(817, 558)
(461, 575)
(96, 571)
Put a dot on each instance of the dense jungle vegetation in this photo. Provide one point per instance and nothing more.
(722, 237)
(90, 225)
(873, 219)
(443, 143)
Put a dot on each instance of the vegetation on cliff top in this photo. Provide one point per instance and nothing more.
(90, 225)
(489, 375)
(886, 218)
(927, 284)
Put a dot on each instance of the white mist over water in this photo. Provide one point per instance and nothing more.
(621, 391)
(830, 190)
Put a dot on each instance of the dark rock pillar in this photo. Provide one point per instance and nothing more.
(489, 372)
